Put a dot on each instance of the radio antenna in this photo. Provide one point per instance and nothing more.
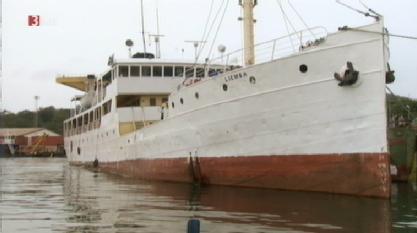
(157, 36)
(143, 26)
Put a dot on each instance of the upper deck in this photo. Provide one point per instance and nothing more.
(130, 85)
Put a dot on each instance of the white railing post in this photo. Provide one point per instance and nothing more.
(273, 49)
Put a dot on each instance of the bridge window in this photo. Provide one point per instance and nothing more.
(128, 101)
(168, 71)
(146, 71)
(189, 72)
(123, 71)
(134, 71)
(152, 101)
(157, 71)
(200, 72)
(212, 72)
(179, 71)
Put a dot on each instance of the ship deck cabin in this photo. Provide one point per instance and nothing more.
(132, 94)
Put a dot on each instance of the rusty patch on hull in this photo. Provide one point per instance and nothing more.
(352, 174)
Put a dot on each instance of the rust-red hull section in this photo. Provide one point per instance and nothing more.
(353, 174)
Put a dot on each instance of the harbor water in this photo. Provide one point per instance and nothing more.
(48, 195)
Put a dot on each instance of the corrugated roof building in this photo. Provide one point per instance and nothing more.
(31, 140)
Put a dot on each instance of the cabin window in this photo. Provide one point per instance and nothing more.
(181, 100)
(157, 71)
(106, 107)
(128, 101)
(200, 72)
(123, 71)
(212, 72)
(168, 71)
(85, 119)
(179, 71)
(164, 100)
(189, 72)
(152, 101)
(134, 71)
(146, 71)
(91, 117)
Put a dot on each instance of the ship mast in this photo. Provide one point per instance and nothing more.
(248, 25)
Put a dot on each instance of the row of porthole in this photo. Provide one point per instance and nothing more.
(252, 80)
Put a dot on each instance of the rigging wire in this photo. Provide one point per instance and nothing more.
(367, 14)
(205, 29)
(211, 28)
(368, 8)
(224, 7)
(286, 16)
(286, 24)
(345, 28)
(218, 28)
(302, 19)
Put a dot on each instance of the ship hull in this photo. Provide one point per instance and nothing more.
(353, 174)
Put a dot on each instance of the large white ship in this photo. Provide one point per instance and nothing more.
(312, 119)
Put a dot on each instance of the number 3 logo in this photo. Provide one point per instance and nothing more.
(34, 20)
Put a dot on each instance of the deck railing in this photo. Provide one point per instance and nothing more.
(277, 48)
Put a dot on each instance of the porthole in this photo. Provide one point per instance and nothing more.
(303, 68)
(197, 95)
(225, 87)
(252, 80)
(181, 101)
(172, 104)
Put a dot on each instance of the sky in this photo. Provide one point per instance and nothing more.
(76, 37)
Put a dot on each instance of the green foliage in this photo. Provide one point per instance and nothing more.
(402, 106)
(49, 118)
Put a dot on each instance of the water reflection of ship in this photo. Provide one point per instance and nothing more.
(129, 203)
